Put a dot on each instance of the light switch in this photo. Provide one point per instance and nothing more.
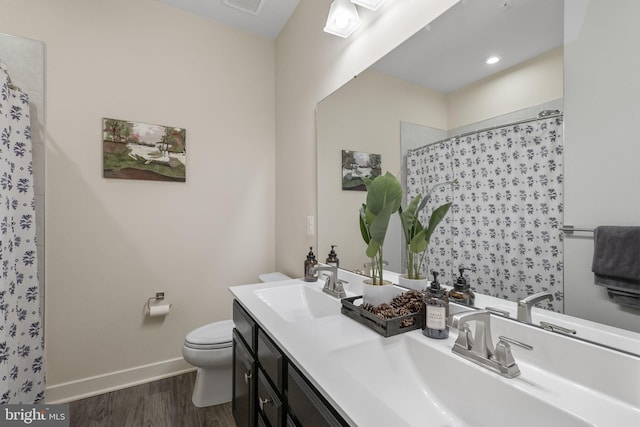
(311, 227)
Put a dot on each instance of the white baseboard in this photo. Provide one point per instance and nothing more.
(99, 384)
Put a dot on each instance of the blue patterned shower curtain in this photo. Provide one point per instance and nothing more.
(507, 208)
(21, 334)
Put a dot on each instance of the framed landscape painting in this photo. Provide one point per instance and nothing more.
(357, 165)
(133, 150)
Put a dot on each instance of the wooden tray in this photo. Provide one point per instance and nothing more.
(385, 327)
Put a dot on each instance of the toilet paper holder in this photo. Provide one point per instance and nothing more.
(159, 297)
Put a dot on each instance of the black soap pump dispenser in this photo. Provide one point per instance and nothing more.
(437, 310)
(461, 292)
(310, 275)
(332, 259)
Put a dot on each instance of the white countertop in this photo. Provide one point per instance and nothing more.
(310, 345)
(320, 347)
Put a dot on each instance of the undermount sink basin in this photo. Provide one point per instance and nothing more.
(443, 389)
(299, 302)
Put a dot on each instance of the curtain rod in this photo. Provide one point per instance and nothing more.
(545, 114)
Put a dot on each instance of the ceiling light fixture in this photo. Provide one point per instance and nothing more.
(369, 4)
(343, 18)
(493, 59)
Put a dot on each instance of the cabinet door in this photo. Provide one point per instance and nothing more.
(290, 422)
(269, 403)
(306, 407)
(271, 359)
(245, 325)
(244, 380)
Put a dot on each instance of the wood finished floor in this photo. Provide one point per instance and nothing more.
(164, 403)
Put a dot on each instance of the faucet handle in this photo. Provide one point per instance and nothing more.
(500, 312)
(340, 292)
(465, 338)
(555, 328)
(516, 342)
(327, 280)
(503, 354)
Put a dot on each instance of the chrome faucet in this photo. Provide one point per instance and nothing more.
(332, 285)
(480, 349)
(525, 305)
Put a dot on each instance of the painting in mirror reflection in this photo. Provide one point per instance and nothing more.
(358, 166)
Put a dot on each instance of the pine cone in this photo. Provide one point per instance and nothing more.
(406, 303)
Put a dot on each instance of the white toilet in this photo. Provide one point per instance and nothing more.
(209, 348)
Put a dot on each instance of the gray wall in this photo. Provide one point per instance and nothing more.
(602, 152)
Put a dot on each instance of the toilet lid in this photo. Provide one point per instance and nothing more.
(211, 334)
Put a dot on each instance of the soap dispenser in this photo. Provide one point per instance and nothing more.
(309, 266)
(461, 292)
(332, 259)
(437, 310)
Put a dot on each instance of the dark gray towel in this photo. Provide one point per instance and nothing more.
(618, 284)
(616, 262)
(625, 298)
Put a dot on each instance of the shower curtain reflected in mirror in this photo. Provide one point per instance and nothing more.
(21, 336)
(507, 208)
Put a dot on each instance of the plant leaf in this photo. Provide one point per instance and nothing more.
(384, 196)
(372, 249)
(420, 242)
(409, 216)
(364, 227)
(436, 217)
(418, 239)
(380, 223)
(382, 191)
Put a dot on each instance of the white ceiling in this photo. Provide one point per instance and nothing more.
(446, 55)
(270, 18)
(450, 52)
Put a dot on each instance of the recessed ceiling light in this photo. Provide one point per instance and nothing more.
(493, 59)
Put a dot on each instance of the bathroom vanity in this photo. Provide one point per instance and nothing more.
(299, 362)
(268, 389)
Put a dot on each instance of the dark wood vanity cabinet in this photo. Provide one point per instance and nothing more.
(306, 406)
(245, 326)
(272, 361)
(270, 407)
(244, 383)
(245, 368)
(268, 390)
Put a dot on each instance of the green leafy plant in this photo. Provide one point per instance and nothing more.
(416, 235)
(384, 196)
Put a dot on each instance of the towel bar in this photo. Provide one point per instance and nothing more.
(570, 229)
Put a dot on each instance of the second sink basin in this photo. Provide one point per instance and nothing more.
(299, 302)
(445, 390)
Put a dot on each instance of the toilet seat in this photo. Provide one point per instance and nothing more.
(213, 336)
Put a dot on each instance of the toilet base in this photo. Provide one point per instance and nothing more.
(213, 386)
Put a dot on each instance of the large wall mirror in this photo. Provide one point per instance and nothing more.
(436, 87)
